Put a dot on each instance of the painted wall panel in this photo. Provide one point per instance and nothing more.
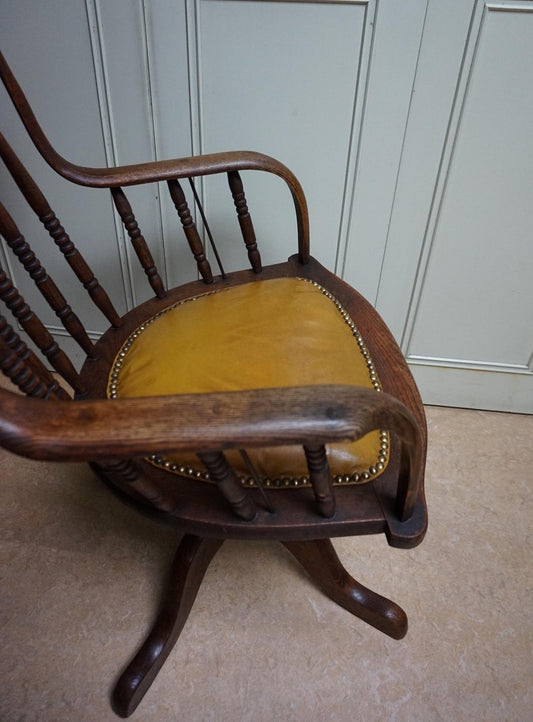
(435, 85)
(388, 98)
(286, 79)
(409, 125)
(142, 49)
(486, 215)
(473, 304)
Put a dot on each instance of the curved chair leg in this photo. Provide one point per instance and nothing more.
(319, 559)
(188, 569)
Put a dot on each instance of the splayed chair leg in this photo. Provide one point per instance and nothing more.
(188, 569)
(321, 562)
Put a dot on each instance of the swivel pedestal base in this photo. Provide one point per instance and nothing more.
(190, 564)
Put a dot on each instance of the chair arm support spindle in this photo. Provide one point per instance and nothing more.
(320, 477)
(228, 483)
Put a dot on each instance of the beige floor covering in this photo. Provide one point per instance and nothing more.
(80, 576)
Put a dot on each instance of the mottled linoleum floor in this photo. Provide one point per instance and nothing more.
(80, 576)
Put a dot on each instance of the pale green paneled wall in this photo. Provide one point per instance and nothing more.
(407, 123)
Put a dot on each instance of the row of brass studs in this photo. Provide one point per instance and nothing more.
(351, 325)
(112, 390)
(285, 482)
(278, 483)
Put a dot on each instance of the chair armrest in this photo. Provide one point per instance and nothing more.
(127, 428)
(81, 430)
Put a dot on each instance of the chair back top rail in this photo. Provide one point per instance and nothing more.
(155, 171)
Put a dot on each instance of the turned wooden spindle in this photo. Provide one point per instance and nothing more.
(12, 339)
(38, 333)
(46, 215)
(80, 267)
(228, 483)
(207, 229)
(320, 477)
(127, 472)
(24, 369)
(191, 232)
(138, 242)
(46, 285)
(245, 220)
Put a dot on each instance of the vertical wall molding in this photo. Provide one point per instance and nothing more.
(480, 14)
(153, 114)
(403, 142)
(109, 137)
(501, 376)
(446, 161)
(5, 259)
(396, 42)
(194, 64)
(358, 112)
(192, 13)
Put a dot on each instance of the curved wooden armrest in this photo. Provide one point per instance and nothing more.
(200, 165)
(127, 428)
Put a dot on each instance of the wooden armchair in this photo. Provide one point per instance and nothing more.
(268, 403)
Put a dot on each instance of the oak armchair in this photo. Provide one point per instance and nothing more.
(268, 403)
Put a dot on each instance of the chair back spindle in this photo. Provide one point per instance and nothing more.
(245, 220)
(191, 232)
(38, 333)
(22, 366)
(80, 267)
(44, 283)
(46, 215)
(138, 242)
(206, 227)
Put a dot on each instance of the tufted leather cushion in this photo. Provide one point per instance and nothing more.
(264, 334)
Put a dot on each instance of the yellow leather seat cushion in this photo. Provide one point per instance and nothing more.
(264, 334)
